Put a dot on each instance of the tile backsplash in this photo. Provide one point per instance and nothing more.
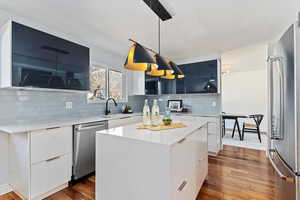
(30, 106)
(27, 106)
(206, 104)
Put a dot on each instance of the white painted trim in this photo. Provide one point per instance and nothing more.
(5, 188)
(57, 189)
(212, 154)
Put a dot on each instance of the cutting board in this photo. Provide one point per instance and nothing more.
(162, 127)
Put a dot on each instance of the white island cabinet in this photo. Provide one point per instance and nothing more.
(134, 164)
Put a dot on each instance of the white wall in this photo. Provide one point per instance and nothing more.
(246, 93)
(244, 89)
(3, 162)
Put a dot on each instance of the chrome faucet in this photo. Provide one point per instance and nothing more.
(107, 111)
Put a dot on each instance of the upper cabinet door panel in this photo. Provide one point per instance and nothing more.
(201, 77)
(46, 61)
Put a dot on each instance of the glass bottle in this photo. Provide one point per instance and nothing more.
(146, 114)
(167, 113)
(155, 117)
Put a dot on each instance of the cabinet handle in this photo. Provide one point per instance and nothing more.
(124, 117)
(53, 128)
(181, 141)
(183, 184)
(54, 158)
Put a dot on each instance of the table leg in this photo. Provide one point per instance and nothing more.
(239, 129)
(233, 129)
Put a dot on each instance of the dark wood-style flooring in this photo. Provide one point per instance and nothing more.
(236, 174)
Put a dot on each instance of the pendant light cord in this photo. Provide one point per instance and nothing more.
(159, 36)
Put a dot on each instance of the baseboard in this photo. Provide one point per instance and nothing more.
(57, 189)
(5, 188)
(213, 154)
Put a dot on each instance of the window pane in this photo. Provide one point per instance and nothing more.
(115, 84)
(98, 82)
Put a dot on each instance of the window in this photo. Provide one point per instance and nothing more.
(98, 83)
(115, 85)
(105, 83)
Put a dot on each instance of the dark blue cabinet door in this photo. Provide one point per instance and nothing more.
(201, 77)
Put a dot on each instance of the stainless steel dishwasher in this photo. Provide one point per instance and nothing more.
(84, 147)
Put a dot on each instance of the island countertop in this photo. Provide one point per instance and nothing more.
(165, 137)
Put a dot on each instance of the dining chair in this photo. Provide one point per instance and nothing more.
(253, 128)
(223, 125)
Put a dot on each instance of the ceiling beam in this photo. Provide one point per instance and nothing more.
(158, 9)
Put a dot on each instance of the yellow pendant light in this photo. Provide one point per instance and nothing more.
(177, 72)
(164, 67)
(168, 76)
(139, 59)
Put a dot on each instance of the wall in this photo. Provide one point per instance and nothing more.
(246, 93)
(206, 104)
(244, 89)
(3, 162)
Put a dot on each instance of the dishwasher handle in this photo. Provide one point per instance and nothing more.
(98, 127)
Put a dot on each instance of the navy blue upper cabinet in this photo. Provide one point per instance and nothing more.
(201, 77)
(45, 61)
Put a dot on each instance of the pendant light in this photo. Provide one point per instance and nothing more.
(164, 67)
(139, 59)
(177, 72)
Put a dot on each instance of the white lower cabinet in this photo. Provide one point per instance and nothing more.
(214, 134)
(41, 162)
(50, 174)
(50, 143)
(189, 165)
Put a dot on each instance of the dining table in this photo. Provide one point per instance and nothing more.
(235, 117)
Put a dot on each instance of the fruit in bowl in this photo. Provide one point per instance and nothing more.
(167, 121)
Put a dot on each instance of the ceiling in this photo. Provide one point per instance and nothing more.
(199, 28)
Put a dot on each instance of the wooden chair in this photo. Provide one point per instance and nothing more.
(253, 128)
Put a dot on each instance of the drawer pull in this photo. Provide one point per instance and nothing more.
(53, 128)
(54, 158)
(181, 141)
(183, 184)
(124, 117)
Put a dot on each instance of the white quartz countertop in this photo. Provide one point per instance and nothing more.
(165, 137)
(25, 126)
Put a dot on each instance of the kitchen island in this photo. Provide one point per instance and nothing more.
(133, 164)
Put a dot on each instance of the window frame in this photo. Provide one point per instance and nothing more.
(123, 84)
(124, 97)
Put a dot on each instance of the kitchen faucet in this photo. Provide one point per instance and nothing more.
(107, 111)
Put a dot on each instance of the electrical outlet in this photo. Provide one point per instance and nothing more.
(69, 105)
(214, 104)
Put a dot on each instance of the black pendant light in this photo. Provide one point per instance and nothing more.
(139, 59)
(177, 72)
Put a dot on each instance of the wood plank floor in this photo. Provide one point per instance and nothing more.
(236, 174)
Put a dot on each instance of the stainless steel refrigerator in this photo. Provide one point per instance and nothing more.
(284, 68)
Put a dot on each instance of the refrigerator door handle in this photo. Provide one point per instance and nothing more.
(280, 174)
(275, 133)
(282, 93)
